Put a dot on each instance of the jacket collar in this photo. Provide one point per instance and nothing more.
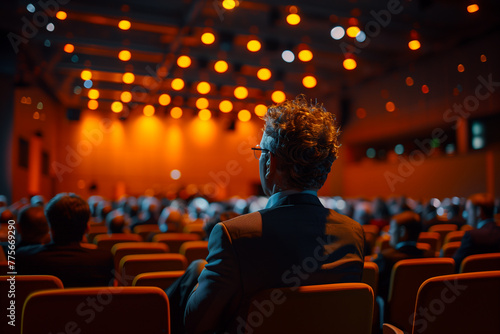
(293, 197)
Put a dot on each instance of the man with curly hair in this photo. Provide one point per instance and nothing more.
(294, 241)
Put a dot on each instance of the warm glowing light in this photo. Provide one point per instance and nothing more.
(352, 31)
(228, 4)
(460, 68)
(425, 89)
(483, 58)
(409, 81)
(148, 110)
(305, 55)
(240, 92)
(220, 66)
(207, 38)
(253, 45)
(202, 103)
(124, 55)
(36, 115)
(93, 94)
(293, 19)
(225, 106)
(203, 87)
(117, 106)
(184, 61)
(204, 114)
(86, 75)
(361, 113)
(61, 15)
(472, 8)
(349, 64)
(175, 174)
(414, 44)
(309, 81)
(124, 25)
(390, 107)
(244, 115)
(69, 48)
(177, 84)
(126, 97)
(128, 77)
(264, 74)
(93, 104)
(260, 110)
(164, 99)
(176, 112)
(278, 96)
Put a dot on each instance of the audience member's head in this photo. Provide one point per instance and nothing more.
(37, 200)
(103, 209)
(299, 145)
(362, 212)
(380, 209)
(68, 216)
(170, 220)
(479, 207)
(405, 226)
(32, 225)
(115, 221)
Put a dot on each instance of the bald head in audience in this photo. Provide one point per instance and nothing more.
(32, 226)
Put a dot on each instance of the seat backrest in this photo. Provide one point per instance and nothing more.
(406, 278)
(21, 287)
(443, 230)
(329, 308)
(146, 230)
(104, 310)
(96, 230)
(431, 238)
(373, 229)
(466, 228)
(194, 250)
(370, 275)
(107, 241)
(175, 240)
(133, 265)
(160, 279)
(195, 228)
(449, 249)
(454, 236)
(459, 303)
(480, 262)
(129, 248)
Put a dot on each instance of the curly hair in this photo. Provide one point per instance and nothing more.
(305, 140)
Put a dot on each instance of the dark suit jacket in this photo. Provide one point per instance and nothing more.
(388, 258)
(296, 242)
(76, 266)
(479, 241)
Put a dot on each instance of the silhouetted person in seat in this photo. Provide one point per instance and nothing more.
(270, 247)
(64, 257)
(116, 221)
(485, 237)
(404, 231)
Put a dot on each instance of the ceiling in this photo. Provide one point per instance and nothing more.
(161, 31)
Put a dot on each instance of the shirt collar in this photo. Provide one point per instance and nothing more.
(484, 222)
(274, 199)
(405, 243)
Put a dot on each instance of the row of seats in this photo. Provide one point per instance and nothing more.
(455, 303)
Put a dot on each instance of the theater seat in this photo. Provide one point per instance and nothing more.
(160, 279)
(480, 262)
(175, 240)
(107, 241)
(147, 231)
(24, 286)
(449, 249)
(329, 308)
(123, 249)
(133, 265)
(194, 250)
(124, 310)
(406, 278)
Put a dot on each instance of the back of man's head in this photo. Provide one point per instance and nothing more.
(5, 216)
(115, 221)
(484, 202)
(68, 215)
(32, 225)
(410, 221)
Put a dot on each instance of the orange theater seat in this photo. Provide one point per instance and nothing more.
(480, 262)
(107, 241)
(123, 249)
(194, 250)
(160, 279)
(124, 310)
(175, 240)
(133, 265)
